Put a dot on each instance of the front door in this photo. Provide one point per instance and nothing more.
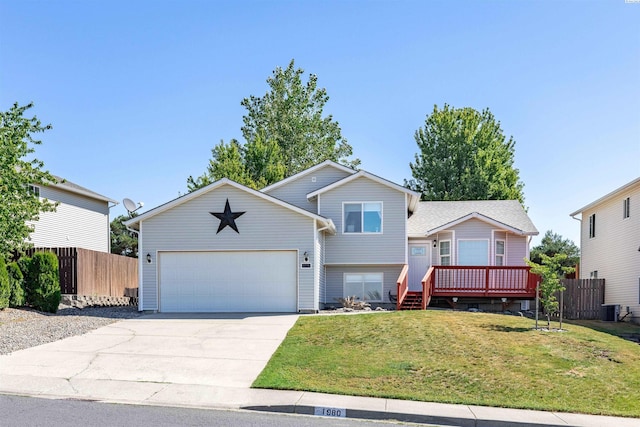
(419, 263)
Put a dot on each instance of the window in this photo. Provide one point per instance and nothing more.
(499, 252)
(35, 190)
(365, 286)
(362, 217)
(626, 208)
(445, 252)
(592, 226)
(418, 251)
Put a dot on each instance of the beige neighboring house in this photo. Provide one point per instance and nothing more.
(610, 246)
(81, 219)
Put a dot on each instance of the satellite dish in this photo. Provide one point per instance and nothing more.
(131, 206)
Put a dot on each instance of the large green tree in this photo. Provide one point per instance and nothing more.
(123, 241)
(285, 132)
(19, 201)
(552, 244)
(464, 155)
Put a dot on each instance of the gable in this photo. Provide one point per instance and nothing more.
(182, 204)
(294, 189)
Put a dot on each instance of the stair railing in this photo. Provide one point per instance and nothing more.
(427, 287)
(403, 286)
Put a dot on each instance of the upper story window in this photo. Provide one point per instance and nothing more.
(592, 226)
(445, 252)
(35, 190)
(363, 217)
(499, 252)
(626, 208)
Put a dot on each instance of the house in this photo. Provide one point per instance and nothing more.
(610, 246)
(81, 219)
(300, 244)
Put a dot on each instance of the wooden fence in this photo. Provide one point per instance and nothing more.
(582, 299)
(91, 273)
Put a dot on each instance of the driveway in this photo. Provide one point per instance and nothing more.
(182, 358)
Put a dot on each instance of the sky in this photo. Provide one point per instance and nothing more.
(138, 92)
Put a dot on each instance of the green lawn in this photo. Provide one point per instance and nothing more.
(459, 357)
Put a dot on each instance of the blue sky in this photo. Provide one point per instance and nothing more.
(138, 92)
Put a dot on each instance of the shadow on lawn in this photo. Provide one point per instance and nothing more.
(503, 328)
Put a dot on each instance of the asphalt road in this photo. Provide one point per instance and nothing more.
(31, 412)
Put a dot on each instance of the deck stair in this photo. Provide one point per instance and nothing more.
(413, 301)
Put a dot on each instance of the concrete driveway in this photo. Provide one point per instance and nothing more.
(182, 358)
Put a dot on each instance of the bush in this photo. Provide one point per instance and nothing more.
(43, 282)
(16, 285)
(5, 291)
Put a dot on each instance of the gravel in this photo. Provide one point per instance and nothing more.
(23, 328)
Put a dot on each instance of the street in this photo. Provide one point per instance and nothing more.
(32, 412)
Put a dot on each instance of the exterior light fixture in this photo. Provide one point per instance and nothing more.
(455, 299)
(306, 256)
(504, 299)
(435, 243)
(149, 258)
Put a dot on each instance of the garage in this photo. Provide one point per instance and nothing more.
(227, 281)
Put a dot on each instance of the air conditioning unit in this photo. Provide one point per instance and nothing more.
(610, 312)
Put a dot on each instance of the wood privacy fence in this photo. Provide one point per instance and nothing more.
(582, 299)
(91, 273)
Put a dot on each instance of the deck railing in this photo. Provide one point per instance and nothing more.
(481, 281)
(403, 285)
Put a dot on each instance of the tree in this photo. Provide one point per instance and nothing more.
(551, 271)
(19, 202)
(553, 244)
(464, 155)
(123, 241)
(285, 132)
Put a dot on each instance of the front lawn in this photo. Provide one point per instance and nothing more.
(459, 357)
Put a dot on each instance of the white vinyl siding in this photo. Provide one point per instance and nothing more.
(295, 191)
(614, 254)
(78, 221)
(264, 226)
(389, 247)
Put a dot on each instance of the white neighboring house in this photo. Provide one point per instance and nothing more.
(610, 246)
(81, 219)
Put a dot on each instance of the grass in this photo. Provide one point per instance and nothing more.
(457, 357)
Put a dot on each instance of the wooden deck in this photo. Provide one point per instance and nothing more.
(468, 281)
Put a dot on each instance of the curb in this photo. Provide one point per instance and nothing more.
(404, 417)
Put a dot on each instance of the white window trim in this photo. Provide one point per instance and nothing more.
(592, 226)
(626, 208)
(363, 273)
(356, 233)
(496, 254)
(450, 252)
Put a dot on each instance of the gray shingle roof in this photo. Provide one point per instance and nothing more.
(75, 188)
(430, 216)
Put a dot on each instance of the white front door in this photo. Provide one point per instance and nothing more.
(419, 263)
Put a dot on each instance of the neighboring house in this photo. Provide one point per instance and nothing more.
(81, 219)
(610, 246)
(310, 239)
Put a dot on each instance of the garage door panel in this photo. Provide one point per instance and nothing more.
(250, 281)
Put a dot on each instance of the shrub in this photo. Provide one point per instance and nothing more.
(16, 284)
(4, 285)
(43, 282)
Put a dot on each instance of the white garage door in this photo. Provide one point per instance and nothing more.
(248, 281)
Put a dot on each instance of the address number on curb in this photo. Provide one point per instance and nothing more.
(330, 412)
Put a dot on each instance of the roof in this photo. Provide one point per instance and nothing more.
(67, 185)
(432, 217)
(308, 171)
(412, 195)
(134, 222)
(607, 196)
